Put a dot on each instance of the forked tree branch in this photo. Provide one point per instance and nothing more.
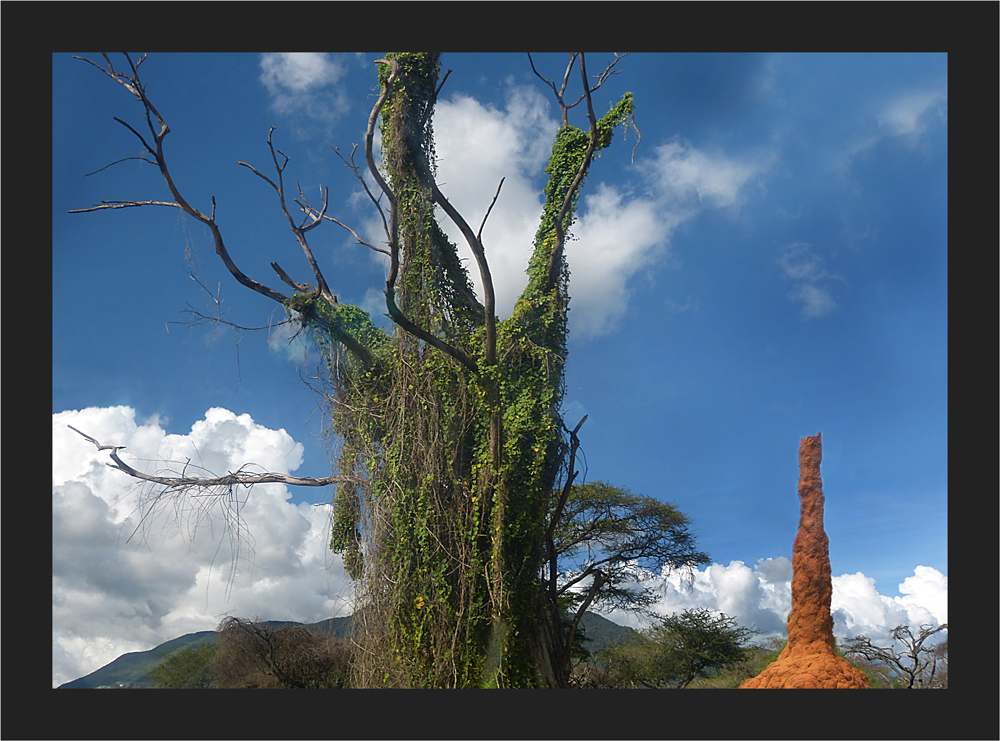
(313, 217)
(392, 234)
(364, 184)
(560, 92)
(560, 242)
(132, 82)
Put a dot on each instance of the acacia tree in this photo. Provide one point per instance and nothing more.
(679, 648)
(453, 447)
(599, 537)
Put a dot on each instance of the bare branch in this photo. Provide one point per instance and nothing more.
(123, 204)
(239, 478)
(609, 70)
(561, 91)
(638, 139)
(123, 159)
(393, 233)
(300, 287)
(309, 211)
(350, 164)
(133, 84)
(201, 318)
(127, 126)
(299, 230)
(259, 174)
(479, 234)
(356, 237)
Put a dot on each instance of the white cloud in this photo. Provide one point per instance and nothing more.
(478, 145)
(111, 595)
(688, 176)
(801, 264)
(761, 598)
(617, 233)
(816, 301)
(911, 114)
(298, 71)
(615, 238)
(925, 592)
(905, 117)
(302, 86)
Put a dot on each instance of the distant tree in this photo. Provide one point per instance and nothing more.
(916, 666)
(599, 536)
(255, 655)
(679, 648)
(186, 668)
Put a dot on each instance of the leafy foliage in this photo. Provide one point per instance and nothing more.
(186, 668)
(608, 529)
(453, 464)
(604, 538)
(679, 648)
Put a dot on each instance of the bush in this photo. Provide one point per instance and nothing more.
(255, 655)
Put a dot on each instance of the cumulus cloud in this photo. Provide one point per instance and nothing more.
(618, 232)
(761, 598)
(477, 145)
(116, 588)
(302, 86)
(616, 237)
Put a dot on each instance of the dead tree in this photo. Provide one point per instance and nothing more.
(917, 665)
(453, 444)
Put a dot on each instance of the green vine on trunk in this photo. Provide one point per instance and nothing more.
(455, 463)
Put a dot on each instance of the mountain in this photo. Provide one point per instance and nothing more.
(129, 671)
(599, 632)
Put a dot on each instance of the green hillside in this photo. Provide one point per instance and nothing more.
(130, 670)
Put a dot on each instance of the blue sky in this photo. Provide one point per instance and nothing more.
(772, 264)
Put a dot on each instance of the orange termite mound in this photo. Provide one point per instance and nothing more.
(809, 660)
